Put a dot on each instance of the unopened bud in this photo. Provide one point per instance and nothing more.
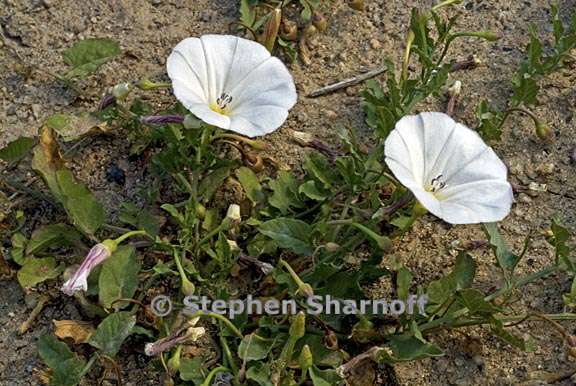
(200, 211)
(331, 340)
(174, 362)
(289, 30)
(271, 29)
(233, 214)
(147, 84)
(233, 245)
(188, 287)
(331, 247)
(454, 90)
(302, 138)
(363, 331)
(310, 30)
(544, 132)
(305, 360)
(306, 290)
(298, 326)
(319, 21)
(122, 90)
(191, 122)
(357, 5)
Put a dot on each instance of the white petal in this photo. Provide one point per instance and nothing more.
(476, 202)
(270, 83)
(258, 120)
(211, 117)
(76, 283)
(186, 66)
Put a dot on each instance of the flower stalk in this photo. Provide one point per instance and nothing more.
(303, 288)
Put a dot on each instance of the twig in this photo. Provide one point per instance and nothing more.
(42, 301)
(347, 82)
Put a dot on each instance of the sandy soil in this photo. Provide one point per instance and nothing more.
(147, 30)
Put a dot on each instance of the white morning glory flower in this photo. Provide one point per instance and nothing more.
(450, 170)
(232, 83)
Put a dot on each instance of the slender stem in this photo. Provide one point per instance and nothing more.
(221, 318)
(88, 365)
(211, 374)
(130, 234)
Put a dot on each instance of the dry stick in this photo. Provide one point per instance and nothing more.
(347, 82)
(42, 301)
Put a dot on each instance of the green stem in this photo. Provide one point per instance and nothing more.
(221, 318)
(129, 234)
(224, 225)
(88, 366)
(211, 374)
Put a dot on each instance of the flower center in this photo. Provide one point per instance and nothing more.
(436, 184)
(222, 103)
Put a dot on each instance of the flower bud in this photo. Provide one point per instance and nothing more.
(233, 214)
(200, 211)
(454, 90)
(306, 290)
(357, 5)
(331, 340)
(122, 90)
(289, 30)
(298, 326)
(363, 331)
(310, 30)
(147, 84)
(305, 360)
(96, 255)
(331, 247)
(319, 21)
(174, 362)
(188, 287)
(271, 29)
(191, 122)
(544, 132)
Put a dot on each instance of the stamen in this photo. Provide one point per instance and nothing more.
(224, 100)
(436, 184)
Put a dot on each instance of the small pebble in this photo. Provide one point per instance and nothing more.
(330, 114)
(523, 197)
(545, 169)
(375, 44)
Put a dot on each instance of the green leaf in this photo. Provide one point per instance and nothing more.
(192, 370)
(474, 301)
(403, 280)
(327, 377)
(250, 183)
(461, 277)
(310, 190)
(254, 349)
(71, 127)
(87, 213)
(318, 167)
(66, 366)
(408, 348)
(488, 121)
(498, 329)
(289, 233)
(16, 150)
(119, 277)
(19, 242)
(558, 240)
(49, 235)
(506, 259)
(210, 183)
(87, 55)
(260, 373)
(285, 192)
(112, 332)
(35, 271)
